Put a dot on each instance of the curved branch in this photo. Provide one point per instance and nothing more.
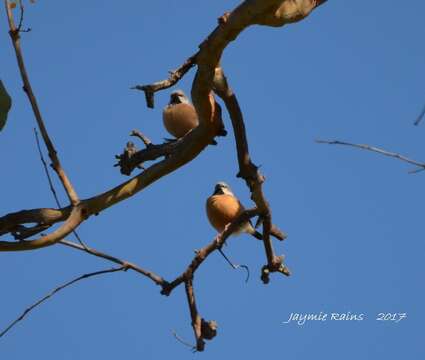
(43, 216)
(174, 77)
(287, 12)
(248, 13)
(196, 318)
(420, 165)
(249, 171)
(158, 280)
(15, 37)
(420, 117)
(54, 291)
(77, 216)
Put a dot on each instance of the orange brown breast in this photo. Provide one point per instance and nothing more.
(179, 119)
(222, 209)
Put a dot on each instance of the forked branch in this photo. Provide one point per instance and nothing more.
(250, 12)
(209, 78)
(174, 77)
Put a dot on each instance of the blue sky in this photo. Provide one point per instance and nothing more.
(352, 71)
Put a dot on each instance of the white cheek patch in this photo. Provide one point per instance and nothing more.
(227, 192)
(183, 100)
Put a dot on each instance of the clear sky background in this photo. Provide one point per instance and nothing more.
(354, 71)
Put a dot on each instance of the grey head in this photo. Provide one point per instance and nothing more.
(222, 188)
(178, 97)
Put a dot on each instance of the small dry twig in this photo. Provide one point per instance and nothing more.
(174, 77)
(52, 188)
(379, 151)
(54, 291)
(235, 266)
(142, 137)
(158, 280)
(184, 342)
(420, 117)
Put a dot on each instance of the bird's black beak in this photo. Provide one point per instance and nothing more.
(174, 99)
(217, 190)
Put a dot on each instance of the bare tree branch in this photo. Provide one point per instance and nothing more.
(45, 216)
(142, 137)
(264, 12)
(21, 17)
(185, 343)
(377, 150)
(207, 328)
(128, 265)
(203, 253)
(202, 329)
(196, 318)
(52, 188)
(174, 77)
(14, 33)
(46, 170)
(249, 171)
(131, 158)
(54, 291)
(200, 256)
(77, 216)
(78, 213)
(208, 79)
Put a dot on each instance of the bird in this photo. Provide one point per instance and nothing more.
(223, 207)
(179, 116)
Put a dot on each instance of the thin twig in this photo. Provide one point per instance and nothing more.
(21, 17)
(46, 169)
(53, 292)
(179, 339)
(52, 188)
(128, 265)
(420, 117)
(142, 137)
(377, 150)
(415, 171)
(196, 318)
(235, 266)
